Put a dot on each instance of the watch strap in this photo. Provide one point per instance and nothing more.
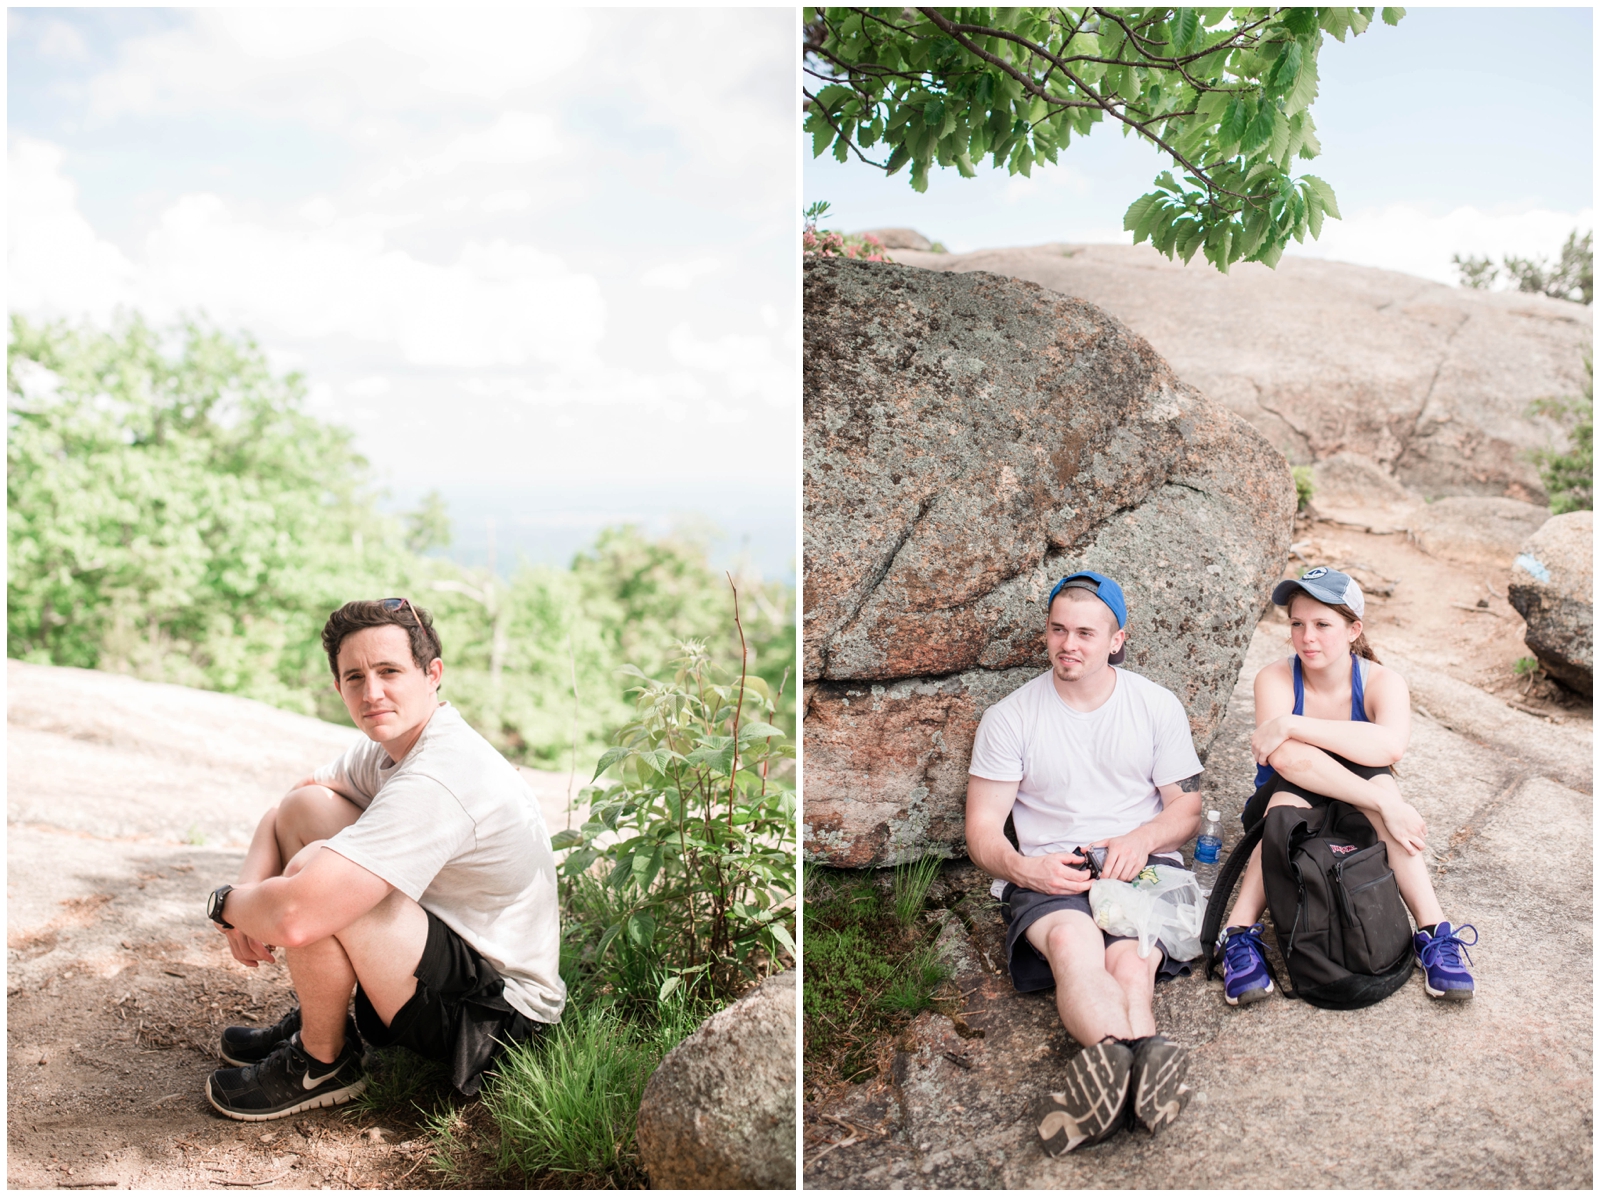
(214, 906)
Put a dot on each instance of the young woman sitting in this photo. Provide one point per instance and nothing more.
(1330, 723)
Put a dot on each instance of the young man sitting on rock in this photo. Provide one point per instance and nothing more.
(414, 870)
(1084, 756)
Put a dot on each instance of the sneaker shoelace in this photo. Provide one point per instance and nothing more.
(1449, 949)
(1241, 950)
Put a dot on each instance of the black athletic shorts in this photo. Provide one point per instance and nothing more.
(458, 1015)
(1021, 908)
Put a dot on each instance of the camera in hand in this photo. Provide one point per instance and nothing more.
(1094, 859)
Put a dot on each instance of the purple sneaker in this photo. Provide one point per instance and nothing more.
(1244, 966)
(1440, 955)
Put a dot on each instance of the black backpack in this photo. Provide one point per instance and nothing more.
(1341, 924)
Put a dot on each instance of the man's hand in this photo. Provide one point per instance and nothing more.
(246, 950)
(1126, 855)
(1269, 737)
(1405, 824)
(1054, 873)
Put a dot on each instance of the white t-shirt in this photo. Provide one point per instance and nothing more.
(453, 827)
(1084, 776)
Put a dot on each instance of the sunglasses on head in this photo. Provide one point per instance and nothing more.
(394, 604)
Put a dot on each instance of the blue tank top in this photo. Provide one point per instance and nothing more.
(1358, 703)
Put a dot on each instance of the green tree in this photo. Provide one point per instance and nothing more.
(428, 527)
(1569, 477)
(173, 511)
(1570, 277)
(1224, 93)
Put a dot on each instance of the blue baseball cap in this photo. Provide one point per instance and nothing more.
(1103, 588)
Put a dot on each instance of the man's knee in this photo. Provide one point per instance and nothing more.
(1068, 938)
(310, 813)
(1129, 968)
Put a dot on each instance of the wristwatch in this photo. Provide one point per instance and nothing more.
(214, 906)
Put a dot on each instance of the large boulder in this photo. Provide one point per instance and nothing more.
(1431, 382)
(1552, 587)
(719, 1111)
(968, 440)
(1476, 530)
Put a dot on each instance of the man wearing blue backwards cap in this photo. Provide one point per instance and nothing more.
(1087, 756)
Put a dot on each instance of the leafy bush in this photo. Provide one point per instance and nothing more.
(1302, 487)
(1569, 477)
(697, 836)
(1570, 277)
(820, 243)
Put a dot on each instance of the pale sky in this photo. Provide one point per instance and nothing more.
(1461, 130)
(538, 259)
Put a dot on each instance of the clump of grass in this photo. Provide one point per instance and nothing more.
(566, 1106)
(911, 884)
(870, 966)
(399, 1079)
(916, 982)
(1525, 665)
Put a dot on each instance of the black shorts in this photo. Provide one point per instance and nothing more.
(458, 1015)
(1255, 809)
(1021, 908)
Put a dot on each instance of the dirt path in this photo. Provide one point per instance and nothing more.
(127, 803)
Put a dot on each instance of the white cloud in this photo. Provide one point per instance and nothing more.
(496, 304)
(1414, 239)
(514, 200)
(747, 364)
(679, 276)
(368, 388)
(55, 262)
(59, 40)
(515, 139)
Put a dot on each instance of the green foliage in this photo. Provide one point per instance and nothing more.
(696, 839)
(1570, 277)
(1224, 93)
(1569, 477)
(821, 243)
(428, 527)
(175, 513)
(567, 1106)
(911, 883)
(1302, 486)
(869, 968)
(1525, 666)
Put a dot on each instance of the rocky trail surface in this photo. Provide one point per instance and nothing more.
(1495, 1092)
(127, 802)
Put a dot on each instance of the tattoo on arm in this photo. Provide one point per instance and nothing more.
(1190, 784)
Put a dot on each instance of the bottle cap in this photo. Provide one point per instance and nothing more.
(1213, 814)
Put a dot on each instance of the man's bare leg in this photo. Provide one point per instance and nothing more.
(1137, 979)
(1090, 1001)
(380, 949)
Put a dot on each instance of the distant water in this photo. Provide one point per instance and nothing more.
(549, 524)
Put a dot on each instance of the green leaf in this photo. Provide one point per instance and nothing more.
(1324, 193)
(567, 838)
(1185, 29)
(641, 929)
(608, 758)
(1392, 16)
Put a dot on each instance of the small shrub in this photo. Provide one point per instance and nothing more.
(821, 243)
(1569, 477)
(701, 868)
(1302, 487)
(1525, 666)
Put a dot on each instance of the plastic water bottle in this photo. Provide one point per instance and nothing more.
(1208, 853)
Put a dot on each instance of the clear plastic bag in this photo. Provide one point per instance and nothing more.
(1162, 903)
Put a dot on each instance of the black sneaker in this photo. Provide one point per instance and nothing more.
(1157, 1094)
(286, 1082)
(1089, 1108)
(242, 1046)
